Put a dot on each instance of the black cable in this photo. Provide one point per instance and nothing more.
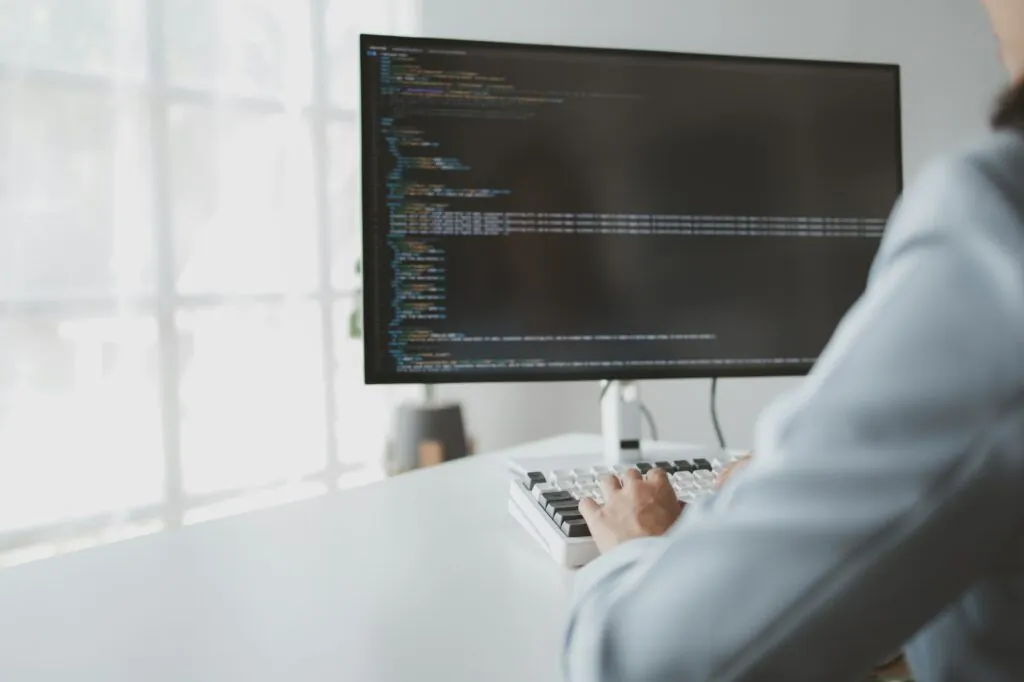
(714, 413)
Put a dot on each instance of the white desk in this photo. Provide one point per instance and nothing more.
(423, 577)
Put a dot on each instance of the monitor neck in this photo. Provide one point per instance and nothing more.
(621, 422)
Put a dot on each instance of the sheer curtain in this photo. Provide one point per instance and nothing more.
(179, 233)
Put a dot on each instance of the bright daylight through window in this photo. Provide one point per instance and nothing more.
(179, 242)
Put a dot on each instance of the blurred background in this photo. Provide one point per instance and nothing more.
(179, 224)
(180, 235)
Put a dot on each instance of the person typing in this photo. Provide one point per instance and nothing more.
(884, 506)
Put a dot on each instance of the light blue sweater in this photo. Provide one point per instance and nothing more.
(885, 503)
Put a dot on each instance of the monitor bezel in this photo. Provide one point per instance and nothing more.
(371, 313)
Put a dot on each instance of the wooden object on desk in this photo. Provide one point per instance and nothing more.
(425, 434)
(897, 671)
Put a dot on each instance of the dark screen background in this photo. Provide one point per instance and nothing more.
(638, 134)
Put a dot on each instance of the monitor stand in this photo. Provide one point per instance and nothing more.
(621, 422)
(621, 442)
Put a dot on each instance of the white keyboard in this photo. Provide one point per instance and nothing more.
(545, 501)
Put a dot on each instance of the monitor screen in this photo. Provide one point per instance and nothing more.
(560, 213)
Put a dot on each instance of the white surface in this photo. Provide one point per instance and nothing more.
(423, 577)
(950, 74)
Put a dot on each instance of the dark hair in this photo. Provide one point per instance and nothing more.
(1010, 110)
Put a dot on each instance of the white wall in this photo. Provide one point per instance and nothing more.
(950, 75)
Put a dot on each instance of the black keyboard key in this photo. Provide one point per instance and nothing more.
(567, 515)
(576, 529)
(702, 464)
(644, 467)
(555, 496)
(683, 465)
(553, 508)
(533, 478)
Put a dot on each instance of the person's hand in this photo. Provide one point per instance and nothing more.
(731, 470)
(634, 508)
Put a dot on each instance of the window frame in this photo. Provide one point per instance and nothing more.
(158, 97)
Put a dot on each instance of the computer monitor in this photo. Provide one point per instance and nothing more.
(536, 212)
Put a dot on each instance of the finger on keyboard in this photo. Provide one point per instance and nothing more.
(588, 509)
(657, 475)
(610, 484)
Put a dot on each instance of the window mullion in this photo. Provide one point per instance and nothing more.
(318, 120)
(165, 268)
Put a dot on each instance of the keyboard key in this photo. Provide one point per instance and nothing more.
(535, 477)
(584, 479)
(644, 467)
(576, 529)
(561, 505)
(683, 465)
(568, 515)
(621, 468)
(581, 471)
(723, 460)
(555, 496)
(542, 488)
(663, 465)
(561, 476)
(702, 464)
(706, 477)
(600, 470)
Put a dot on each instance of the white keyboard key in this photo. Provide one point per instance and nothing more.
(600, 470)
(584, 479)
(541, 488)
(724, 460)
(704, 476)
(560, 476)
(581, 471)
(683, 476)
(621, 468)
(689, 497)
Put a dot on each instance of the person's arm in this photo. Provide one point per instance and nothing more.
(880, 491)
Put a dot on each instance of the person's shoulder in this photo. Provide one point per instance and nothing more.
(992, 164)
(970, 199)
(979, 183)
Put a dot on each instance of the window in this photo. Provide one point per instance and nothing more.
(179, 237)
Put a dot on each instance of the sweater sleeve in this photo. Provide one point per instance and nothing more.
(881, 489)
